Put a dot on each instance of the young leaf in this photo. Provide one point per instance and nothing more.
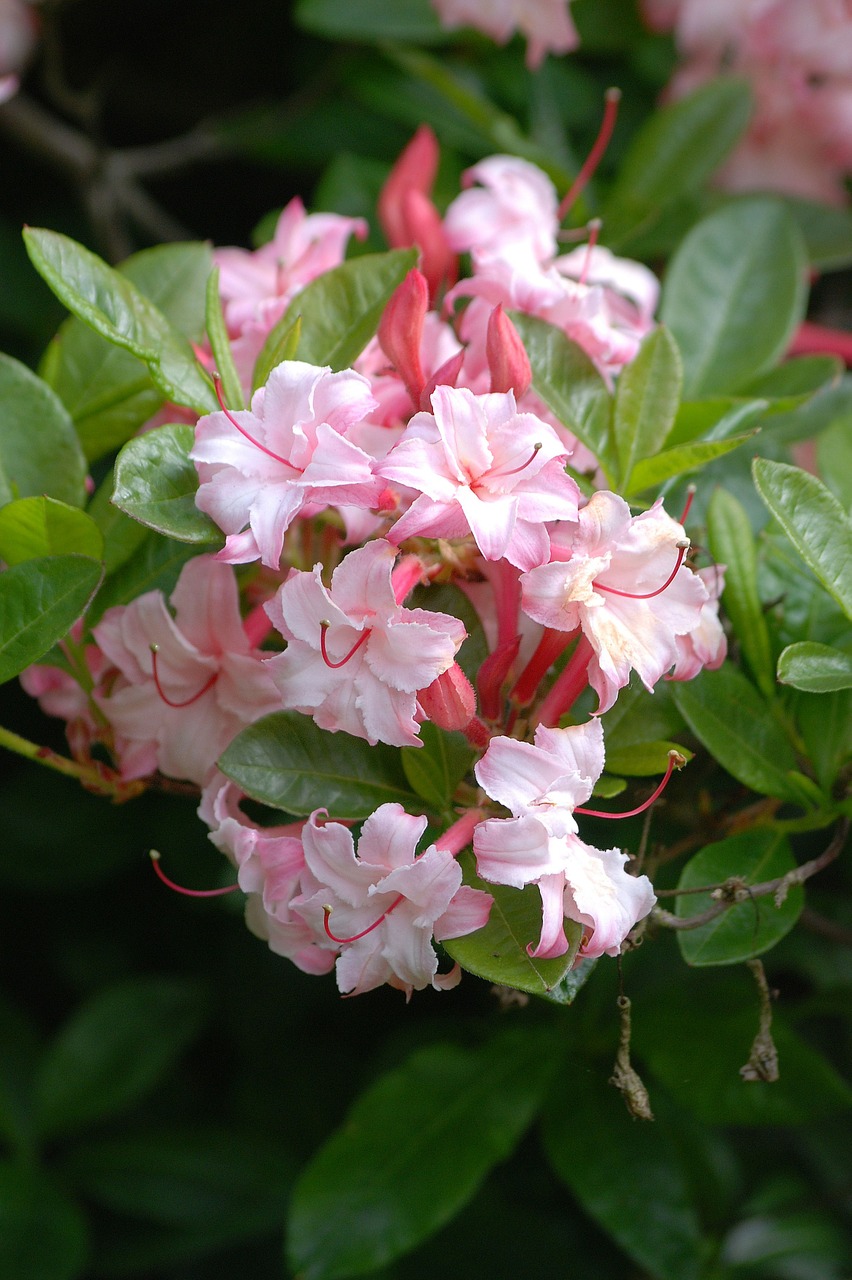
(43, 460)
(816, 668)
(813, 520)
(340, 310)
(646, 401)
(734, 293)
(114, 308)
(413, 1150)
(156, 483)
(435, 769)
(286, 761)
(651, 472)
(498, 951)
(40, 600)
(570, 385)
(32, 527)
(727, 714)
(115, 1049)
(43, 1234)
(732, 544)
(220, 344)
(748, 928)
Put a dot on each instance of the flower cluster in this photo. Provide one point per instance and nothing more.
(431, 463)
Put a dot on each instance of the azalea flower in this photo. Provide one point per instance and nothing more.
(546, 24)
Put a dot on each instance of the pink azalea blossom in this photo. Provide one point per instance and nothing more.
(183, 703)
(482, 468)
(355, 658)
(621, 580)
(260, 467)
(546, 24)
(542, 783)
(386, 904)
(513, 205)
(706, 644)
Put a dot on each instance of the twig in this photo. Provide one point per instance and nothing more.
(762, 1062)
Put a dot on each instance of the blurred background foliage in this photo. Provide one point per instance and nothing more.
(163, 1077)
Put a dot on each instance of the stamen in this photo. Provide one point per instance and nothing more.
(188, 893)
(690, 494)
(324, 626)
(682, 548)
(676, 761)
(155, 648)
(594, 228)
(517, 470)
(334, 938)
(276, 457)
(612, 97)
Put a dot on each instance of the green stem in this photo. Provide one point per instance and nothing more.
(94, 776)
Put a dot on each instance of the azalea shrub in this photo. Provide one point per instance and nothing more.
(453, 586)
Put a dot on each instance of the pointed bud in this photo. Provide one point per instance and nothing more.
(446, 376)
(449, 702)
(506, 355)
(415, 169)
(425, 228)
(401, 330)
(492, 674)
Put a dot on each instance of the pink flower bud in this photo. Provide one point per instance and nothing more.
(425, 228)
(449, 702)
(507, 358)
(414, 170)
(401, 330)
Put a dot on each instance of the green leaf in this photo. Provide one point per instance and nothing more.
(827, 232)
(625, 1167)
(220, 345)
(286, 761)
(155, 565)
(498, 952)
(813, 520)
(570, 385)
(107, 391)
(644, 759)
(33, 527)
(435, 769)
(834, 458)
(43, 1235)
(734, 293)
(674, 152)
(646, 401)
(40, 600)
(816, 668)
(340, 310)
(412, 21)
(114, 308)
(43, 460)
(156, 483)
(639, 716)
(727, 714)
(732, 544)
(19, 1054)
(748, 928)
(714, 419)
(680, 461)
(798, 376)
(281, 344)
(115, 1049)
(413, 1150)
(121, 535)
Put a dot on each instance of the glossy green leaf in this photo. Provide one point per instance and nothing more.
(717, 418)
(834, 458)
(826, 726)
(32, 527)
(43, 1234)
(220, 345)
(646, 401)
(644, 759)
(435, 769)
(816, 668)
(827, 232)
(413, 1150)
(639, 716)
(121, 535)
(748, 928)
(114, 308)
(674, 152)
(727, 714)
(732, 544)
(498, 952)
(680, 461)
(39, 451)
(107, 391)
(733, 294)
(798, 376)
(414, 21)
(281, 344)
(286, 761)
(156, 483)
(625, 1166)
(570, 385)
(340, 310)
(813, 520)
(115, 1049)
(40, 600)
(154, 565)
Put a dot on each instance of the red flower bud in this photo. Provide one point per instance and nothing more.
(507, 358)
(449, 702)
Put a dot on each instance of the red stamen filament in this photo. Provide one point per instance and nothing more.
(682, 548)
(351, 654)
(364, 932)
(612, 98)
(517, 470)
(594, 231)
(690, 494)
(675, 760)
(187, 893)
(276, 457)
(208, 684)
